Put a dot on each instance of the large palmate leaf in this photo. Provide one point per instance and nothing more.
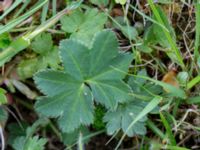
(83, 26)
(89, 74)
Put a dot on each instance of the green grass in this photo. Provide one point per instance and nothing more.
(169, 132)
(167, 34)
(24, 41)
(197, 32)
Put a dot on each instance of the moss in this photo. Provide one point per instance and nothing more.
(98, 117)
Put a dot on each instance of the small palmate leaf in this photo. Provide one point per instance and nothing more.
(26, 68)
(24, 139)
(123, 116)
(34, 143)
(48, 57)
(42, 43)
(83, 26)
(89, 73)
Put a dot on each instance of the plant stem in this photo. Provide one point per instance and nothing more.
(55, 130)
(197, 33)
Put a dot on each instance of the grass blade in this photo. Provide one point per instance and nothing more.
(25, 4)
(23, 42)
(197, 34)
(18, 20)
(168, 130)
(174, 91)
(149, 18)
(44, 12)
(155, 129)
(167, 34)
(193, 100)
(80, 142)
(169, 147)
(54, 6)
(14, 5)
(193, 82)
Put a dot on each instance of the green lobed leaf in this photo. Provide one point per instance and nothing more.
(15, 131)
(42, 43)
(122, 118)
(51, 58)
(26, 68)
(128, 31)
(27, 141)
(83, 26)
(48, 57)
(34, 143)
(142, 88)
(19, 143)
(147, 109)
(88, 74)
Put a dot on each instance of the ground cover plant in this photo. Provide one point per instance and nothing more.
(99, 74)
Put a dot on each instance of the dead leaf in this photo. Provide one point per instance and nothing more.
(117, 12)
(170, 78)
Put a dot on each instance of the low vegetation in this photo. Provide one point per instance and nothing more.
(99, 74)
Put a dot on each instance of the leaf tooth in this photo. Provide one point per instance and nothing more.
(36, 82)
(68, 41)
(101, 32)
(68, 128)
(38, 85)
